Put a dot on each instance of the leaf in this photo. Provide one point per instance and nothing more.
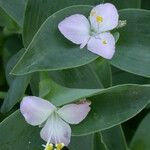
(114, 138)
(38, 11)
(133, 53)
(15, 9)
(50, 50)
(94, 75)
(17, 87)
(113, 106)
(141, 138)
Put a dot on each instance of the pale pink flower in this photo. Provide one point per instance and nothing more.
(94, 33)
(55, 121)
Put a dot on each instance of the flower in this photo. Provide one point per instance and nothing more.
(55, 121)
(94, 33)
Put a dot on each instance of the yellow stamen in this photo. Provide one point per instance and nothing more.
(93, 13)
(104, 41)
(99, 19)
(49, 147)
(60, 146)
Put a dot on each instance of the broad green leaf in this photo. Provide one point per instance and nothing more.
(49, 50)
(15, 9)
(98, 142)
(133, 53)
(94, 75)
(141, 138)
(120, 4)
(17, 87)
(113, 106)
(114, 138)
(37, 11)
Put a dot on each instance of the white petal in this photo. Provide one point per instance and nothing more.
(74, 113)
(56, 131)
(104, 17)
(36, 110)
(103, 45)
(75, 28)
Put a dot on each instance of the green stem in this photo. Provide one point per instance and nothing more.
(2, 95)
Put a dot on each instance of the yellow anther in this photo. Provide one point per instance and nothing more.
(104, 41)
(99, 19)
(49, 147)
(93, 13)
(60, 146)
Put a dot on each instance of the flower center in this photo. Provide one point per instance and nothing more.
(104, 42)
(99, 19)
(49, 147)
(58, 146)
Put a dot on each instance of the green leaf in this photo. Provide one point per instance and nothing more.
(141, 138)
(49, 50)
(114, 138)
(133, 53)
(38, 11)
(87, 77)
(131, 48)
(15, 9)
(113, 106)
(17, 87)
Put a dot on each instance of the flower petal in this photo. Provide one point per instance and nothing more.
(36, 110)
(56, 131)
(104, 17)
(103, 45)
(74, 113)
(76, 28)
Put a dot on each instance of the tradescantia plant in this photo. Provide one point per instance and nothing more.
(74, 74)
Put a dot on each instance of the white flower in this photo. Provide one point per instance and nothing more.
(55, 121)
(95, 34)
